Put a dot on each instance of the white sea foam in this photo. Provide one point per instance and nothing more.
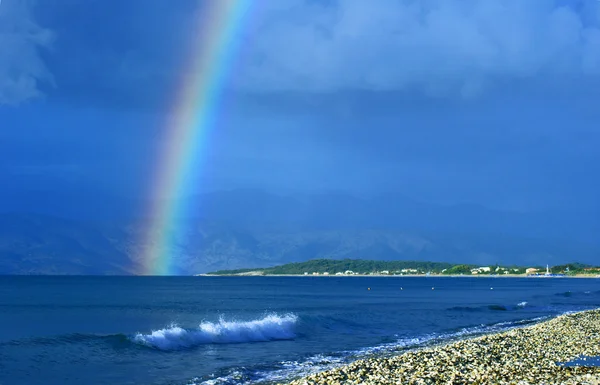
(281, 372)
(269, 328)
(522, 304)
(286, 370)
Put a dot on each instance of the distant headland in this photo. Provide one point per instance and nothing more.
(361, 267)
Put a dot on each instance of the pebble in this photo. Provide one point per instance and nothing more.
(523, 356)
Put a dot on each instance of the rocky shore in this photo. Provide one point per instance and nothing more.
(527, 355)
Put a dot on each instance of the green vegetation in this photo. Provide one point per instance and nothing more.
(459, 269)
(357, 266)
(236, 271)
(576, 269)
(368, 267)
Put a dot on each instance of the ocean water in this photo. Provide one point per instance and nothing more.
(250, 330)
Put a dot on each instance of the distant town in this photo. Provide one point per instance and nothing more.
(358, 267)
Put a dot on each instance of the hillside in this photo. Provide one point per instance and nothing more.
(250, 229)
(38, 244)
(370, 267)
(359, 266)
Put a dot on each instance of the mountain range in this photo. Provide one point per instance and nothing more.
(87, 232)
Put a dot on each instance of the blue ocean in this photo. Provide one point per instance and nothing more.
(250, 330)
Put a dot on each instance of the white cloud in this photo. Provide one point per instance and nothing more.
(21, 38)
(436, 45)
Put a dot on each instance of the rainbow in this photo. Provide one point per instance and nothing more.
(215, 41)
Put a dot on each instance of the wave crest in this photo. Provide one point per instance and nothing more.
(269, 328)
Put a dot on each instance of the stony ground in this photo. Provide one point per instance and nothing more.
(520, 356)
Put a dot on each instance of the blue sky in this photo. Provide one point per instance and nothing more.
(492, 102)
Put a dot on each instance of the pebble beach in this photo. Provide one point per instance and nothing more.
(528, 355)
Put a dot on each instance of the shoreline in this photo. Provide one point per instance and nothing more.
(257, 274)
(523, 355)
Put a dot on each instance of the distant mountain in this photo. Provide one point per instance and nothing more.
(391, 212)
(37, 244)
(83, 204)
(251, 228)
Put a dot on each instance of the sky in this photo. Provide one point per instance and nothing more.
(491, 102)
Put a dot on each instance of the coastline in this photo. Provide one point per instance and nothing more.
(260, 274)
(526, 355)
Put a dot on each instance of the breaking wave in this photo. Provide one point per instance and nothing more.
(269, 328)
(286, 370)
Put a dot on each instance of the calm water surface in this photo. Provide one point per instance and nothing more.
(232, 330)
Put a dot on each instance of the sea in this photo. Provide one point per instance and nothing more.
(250, 330)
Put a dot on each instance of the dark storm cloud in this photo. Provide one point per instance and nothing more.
(439, 46)
(133, 52)
(21, 66)
(445, 100)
